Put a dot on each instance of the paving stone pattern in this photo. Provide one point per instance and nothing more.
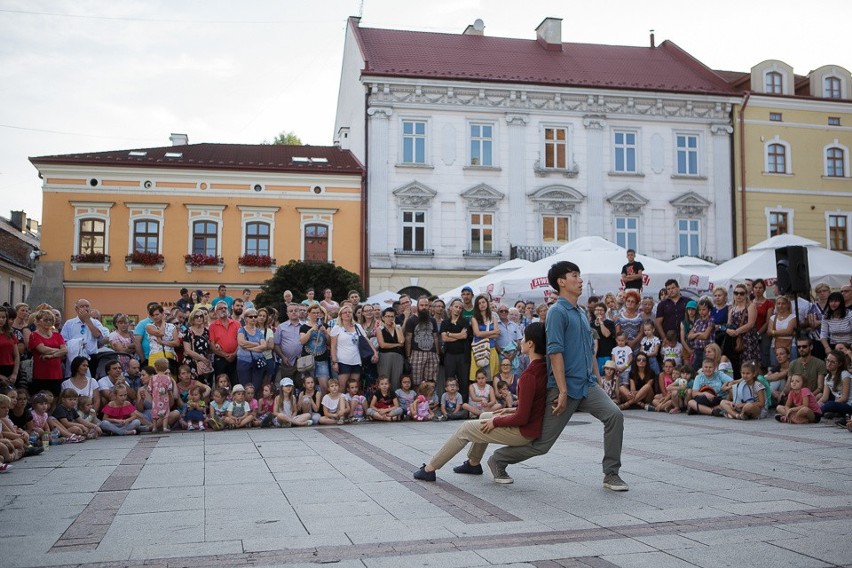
(703, 492)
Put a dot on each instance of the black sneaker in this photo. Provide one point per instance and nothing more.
(33, 451)
(424, 475)
(468, 469)
(690, 411)
(267, 420)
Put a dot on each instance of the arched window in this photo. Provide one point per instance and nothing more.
(205, 236)
(774, 83)
(257, 238)
(834, 160)
(92, 236)
(776, 159)
(832, 88)
(146, 236)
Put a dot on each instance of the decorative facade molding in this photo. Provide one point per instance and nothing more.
(482, 197)
(379, 112)
(594, 122)
(690, 204)
(415, 194)
(627, 202)
(556, 199)
(721, 129)
(513, 119)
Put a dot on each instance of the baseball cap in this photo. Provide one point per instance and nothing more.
(238, 388)
(286, 382)
(692, 304)
(467, 289)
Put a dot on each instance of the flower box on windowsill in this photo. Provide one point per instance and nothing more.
(90, 260)
(257, 263)
(144, 260)
(203, 262)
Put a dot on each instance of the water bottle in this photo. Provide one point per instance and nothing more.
(45, 440)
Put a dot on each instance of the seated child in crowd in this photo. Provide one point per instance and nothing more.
(747, 398)
(609, 381)
(708, 390)
(356, 401)
(405, 394)
(67, 415)
(286, 409)
(195, 410)
(504, 397)
(622, 355)
(240, 408)
(672, 349)
(419, 409)
(663, 401)
(801, 407)
(120, 415)
(309, 399)
(220, 410)
(481, 398)
(384, 406)
(266, 406)
(334, 407)
(451, 402)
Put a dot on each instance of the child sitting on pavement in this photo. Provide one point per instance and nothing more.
(451, 402)
(747, 398)
(708, 390)
(801, 407)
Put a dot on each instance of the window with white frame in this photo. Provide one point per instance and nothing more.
(832, 88)
(481, 144)
(205, 238)
(413, 142)
(257, 238)
(556, 147)
(838, 231)
(627, 232)
(414, 231)
(775, 83)
(779, 223)
(92, 236)
(624, 151)
(687, 154)
(555, 229)
(835, 159)
(146, 236)
(689, 237)
(481, 233)
(776, 158)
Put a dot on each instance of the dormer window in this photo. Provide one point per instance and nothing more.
(774, 83)
(832, 88)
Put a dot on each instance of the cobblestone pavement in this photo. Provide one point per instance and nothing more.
(703, 492)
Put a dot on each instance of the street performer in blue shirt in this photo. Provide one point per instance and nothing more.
(571, 383)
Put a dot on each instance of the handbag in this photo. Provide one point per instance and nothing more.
(257, 361)
(365, 348)
(481, 352)
(203, 367)
(305, 363)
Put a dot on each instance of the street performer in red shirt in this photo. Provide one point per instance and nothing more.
(510, 426)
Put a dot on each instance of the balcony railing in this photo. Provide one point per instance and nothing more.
(531, 253)
(483, 253)
(406, 252)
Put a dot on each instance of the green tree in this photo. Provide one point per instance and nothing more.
(298, 276)
(285, 139)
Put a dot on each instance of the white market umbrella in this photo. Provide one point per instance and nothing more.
(486, 282)
(693, 264)
(831, 267)
(385, 299)
(600, 263)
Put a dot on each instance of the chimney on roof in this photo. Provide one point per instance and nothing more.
(19, 220)
(342, 140)
(179, 139)
(475, 29)
(653, 43)
(549, 34)
(32, 226)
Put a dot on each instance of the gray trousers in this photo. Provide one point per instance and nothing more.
(596, 403)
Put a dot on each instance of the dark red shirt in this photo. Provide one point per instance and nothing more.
(532, 399)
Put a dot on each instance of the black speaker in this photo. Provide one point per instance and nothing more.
(791, 264)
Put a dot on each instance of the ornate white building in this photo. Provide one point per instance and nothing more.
(481, 149)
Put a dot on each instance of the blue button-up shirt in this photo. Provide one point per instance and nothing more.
(75, 328)
(569, 333)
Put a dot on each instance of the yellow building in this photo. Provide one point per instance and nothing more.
(792, 137)
(123, 228)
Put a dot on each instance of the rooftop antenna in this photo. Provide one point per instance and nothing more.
(361, 8)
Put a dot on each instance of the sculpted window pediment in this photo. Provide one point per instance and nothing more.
(556, 198)
(482, 196)
(415, 194)
(690, 204)
(627, 201)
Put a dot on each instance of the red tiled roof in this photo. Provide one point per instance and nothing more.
(667, 67)
(243, 157)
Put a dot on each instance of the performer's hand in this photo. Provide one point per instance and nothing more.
(487, 426)
(560, 404)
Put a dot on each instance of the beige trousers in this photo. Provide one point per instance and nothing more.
(469, 432)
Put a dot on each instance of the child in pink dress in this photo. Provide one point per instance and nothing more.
(801, 407)
(162, 391)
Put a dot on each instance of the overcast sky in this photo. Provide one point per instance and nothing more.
(95, 75)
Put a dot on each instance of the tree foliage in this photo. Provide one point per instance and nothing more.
(286, 139)
(298, 276)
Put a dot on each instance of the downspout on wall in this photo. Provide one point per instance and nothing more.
(743, 172)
